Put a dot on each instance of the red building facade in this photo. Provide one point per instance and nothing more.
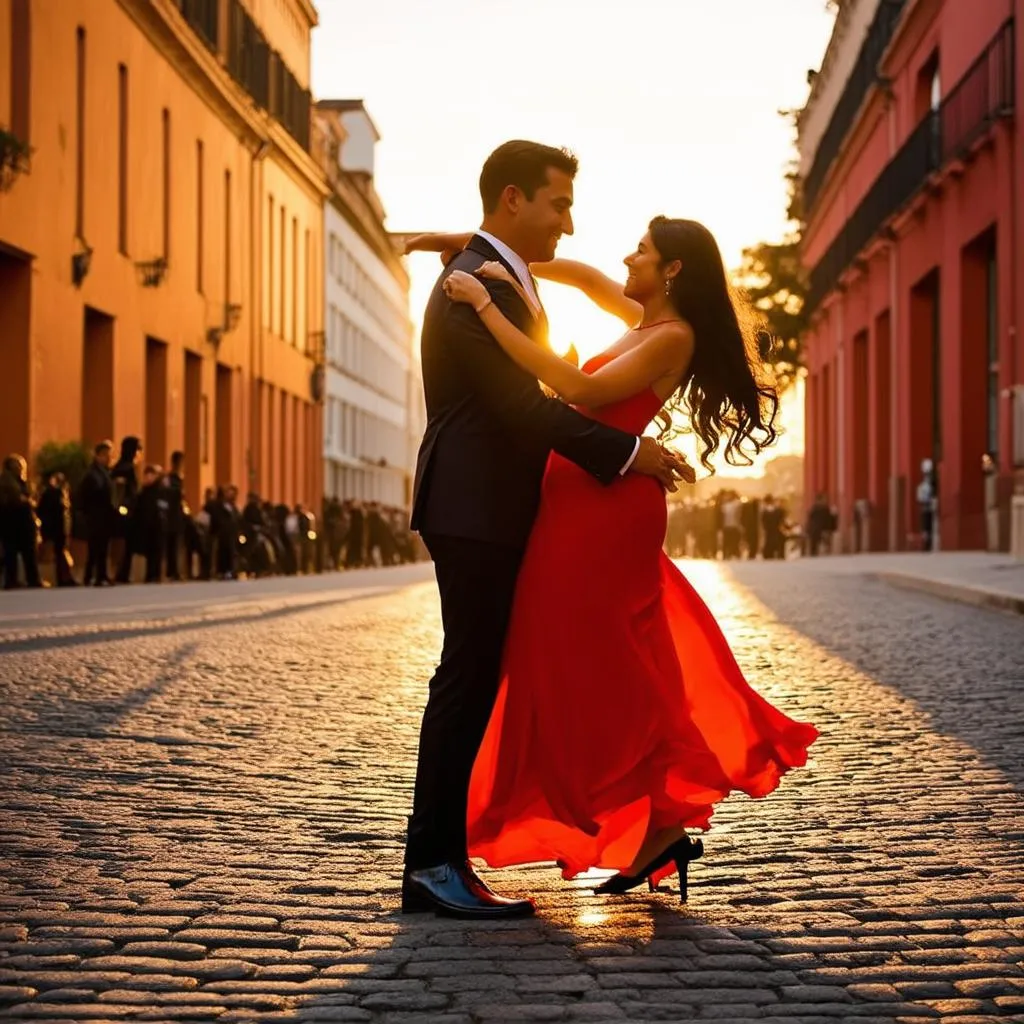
(912, 174)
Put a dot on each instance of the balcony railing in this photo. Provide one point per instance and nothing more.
(984, 95)
(289, 102)
(248, 54)
(204, 18)
(863, 76)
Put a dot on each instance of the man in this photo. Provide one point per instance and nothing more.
(228, 526)
(732, 511)
(19, 532)
(96, 503)
(174, 495)
(773, 521)
(151, 521)
(819, 520)
(125, 476)
(489, 432)
(356, 540)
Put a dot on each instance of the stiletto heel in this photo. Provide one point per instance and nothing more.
(681, 852)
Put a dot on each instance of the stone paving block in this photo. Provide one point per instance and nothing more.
(988, 987)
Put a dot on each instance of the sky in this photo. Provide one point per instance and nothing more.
(672, 107)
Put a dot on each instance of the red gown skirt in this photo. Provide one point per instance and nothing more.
(621, 708)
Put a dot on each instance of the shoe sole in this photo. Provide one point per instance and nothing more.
(418, 905)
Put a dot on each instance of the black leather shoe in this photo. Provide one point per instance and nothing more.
(454, 891)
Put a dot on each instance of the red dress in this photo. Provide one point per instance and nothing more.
(621, 707)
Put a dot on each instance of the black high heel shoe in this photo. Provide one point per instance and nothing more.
(682, 852)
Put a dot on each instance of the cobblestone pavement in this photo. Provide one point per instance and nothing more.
(201, 817)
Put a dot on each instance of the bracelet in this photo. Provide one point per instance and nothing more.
(480, 309)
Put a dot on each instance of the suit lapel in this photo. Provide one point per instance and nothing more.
(539, 330)
(484, 248)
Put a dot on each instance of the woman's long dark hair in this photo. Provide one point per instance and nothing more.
(725, 390)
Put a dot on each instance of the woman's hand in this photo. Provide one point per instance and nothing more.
(462, 287)
(496, 272)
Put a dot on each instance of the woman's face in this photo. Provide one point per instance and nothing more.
(646, 275)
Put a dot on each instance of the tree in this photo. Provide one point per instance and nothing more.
(72, 458)
(772, 277)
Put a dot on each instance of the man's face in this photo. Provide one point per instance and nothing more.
(103, 458)
(542, 221)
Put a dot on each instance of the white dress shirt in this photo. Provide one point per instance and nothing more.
(522, 272)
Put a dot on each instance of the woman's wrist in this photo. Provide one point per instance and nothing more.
(483, 305)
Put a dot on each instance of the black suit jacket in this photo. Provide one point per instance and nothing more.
(490, 428)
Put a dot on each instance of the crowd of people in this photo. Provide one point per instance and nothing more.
(128, 509)
(729, 526)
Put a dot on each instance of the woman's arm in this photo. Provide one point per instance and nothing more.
(438, 242)
(666, 351)
(598, 287)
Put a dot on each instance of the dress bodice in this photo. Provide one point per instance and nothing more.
(631, 414)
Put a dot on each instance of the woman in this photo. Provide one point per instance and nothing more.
(622, 716)
(54, 511)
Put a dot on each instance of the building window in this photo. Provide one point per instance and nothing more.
(166, 144)
(284, 271)
(928, 91)
(992, 345)
(80, 133)
(295, 282)
(21, 69)
(227, 238)
(199, 217)
(270, 264)
(306, 278)
(122, 159)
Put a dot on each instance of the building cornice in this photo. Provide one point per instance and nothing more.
(163, 25)
(843, 16)
(917, 19)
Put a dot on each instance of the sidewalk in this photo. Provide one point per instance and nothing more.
(993, 580)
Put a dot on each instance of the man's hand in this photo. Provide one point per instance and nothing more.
(665, 465)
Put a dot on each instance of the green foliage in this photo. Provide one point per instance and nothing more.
(71, 458)
(772, 276)
(14, 158)
(773, 279)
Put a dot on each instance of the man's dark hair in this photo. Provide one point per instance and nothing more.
(177, 458)
(103, 446)
(523, 164)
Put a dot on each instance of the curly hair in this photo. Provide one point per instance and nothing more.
(726, 390)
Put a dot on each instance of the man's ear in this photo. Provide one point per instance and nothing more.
(511, 198)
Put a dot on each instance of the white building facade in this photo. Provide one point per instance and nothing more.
(372, 394)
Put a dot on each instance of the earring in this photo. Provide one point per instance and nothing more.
(668, 285)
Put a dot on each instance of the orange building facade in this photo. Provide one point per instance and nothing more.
(161, 267)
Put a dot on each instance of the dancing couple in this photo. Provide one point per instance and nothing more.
(586, 709)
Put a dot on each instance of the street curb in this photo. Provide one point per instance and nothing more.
(980, 597)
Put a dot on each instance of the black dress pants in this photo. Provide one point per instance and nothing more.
(173, 554)
(96, 568)
(476, 581)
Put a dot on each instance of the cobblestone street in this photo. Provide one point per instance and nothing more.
(205, 790)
